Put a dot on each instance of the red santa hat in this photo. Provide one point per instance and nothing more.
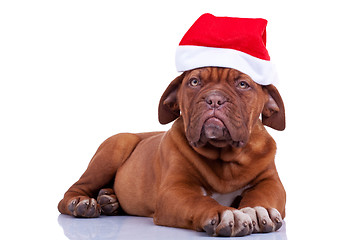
(238, 43)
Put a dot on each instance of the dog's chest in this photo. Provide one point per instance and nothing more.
(226, 199)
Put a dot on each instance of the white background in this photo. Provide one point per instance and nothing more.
(73, 73)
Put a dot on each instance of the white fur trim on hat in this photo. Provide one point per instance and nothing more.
(190, 57)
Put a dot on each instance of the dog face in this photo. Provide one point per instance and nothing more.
(220, 106)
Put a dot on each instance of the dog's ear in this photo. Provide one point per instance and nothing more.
(273, 114)
(168, 106)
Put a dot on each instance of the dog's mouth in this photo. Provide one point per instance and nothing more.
(214, 128)
(214, 131)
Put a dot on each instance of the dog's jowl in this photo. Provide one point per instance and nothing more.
(214, 169)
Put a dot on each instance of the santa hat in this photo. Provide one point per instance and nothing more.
(238, 43)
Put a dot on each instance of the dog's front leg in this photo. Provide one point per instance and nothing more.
(184, 205)
(265, 203)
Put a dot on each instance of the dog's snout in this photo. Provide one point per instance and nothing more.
(215, 100)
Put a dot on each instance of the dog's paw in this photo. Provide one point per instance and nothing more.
(264, 220)
(84, 207)
(108, 202)
(230, 223)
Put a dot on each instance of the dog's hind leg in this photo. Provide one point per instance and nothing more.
(79, 200)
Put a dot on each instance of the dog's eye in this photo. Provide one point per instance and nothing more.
(243, 85)
(194, 82)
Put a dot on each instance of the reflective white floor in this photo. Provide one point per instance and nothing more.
(129, 227)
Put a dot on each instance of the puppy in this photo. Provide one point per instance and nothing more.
(213, 171)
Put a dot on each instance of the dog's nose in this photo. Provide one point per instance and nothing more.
(215, 100)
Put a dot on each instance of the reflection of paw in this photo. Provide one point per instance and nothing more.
(264, 220)
(231, 223)
(108, 202)
(84, 207)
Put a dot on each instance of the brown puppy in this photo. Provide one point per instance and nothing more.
(212, 171)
